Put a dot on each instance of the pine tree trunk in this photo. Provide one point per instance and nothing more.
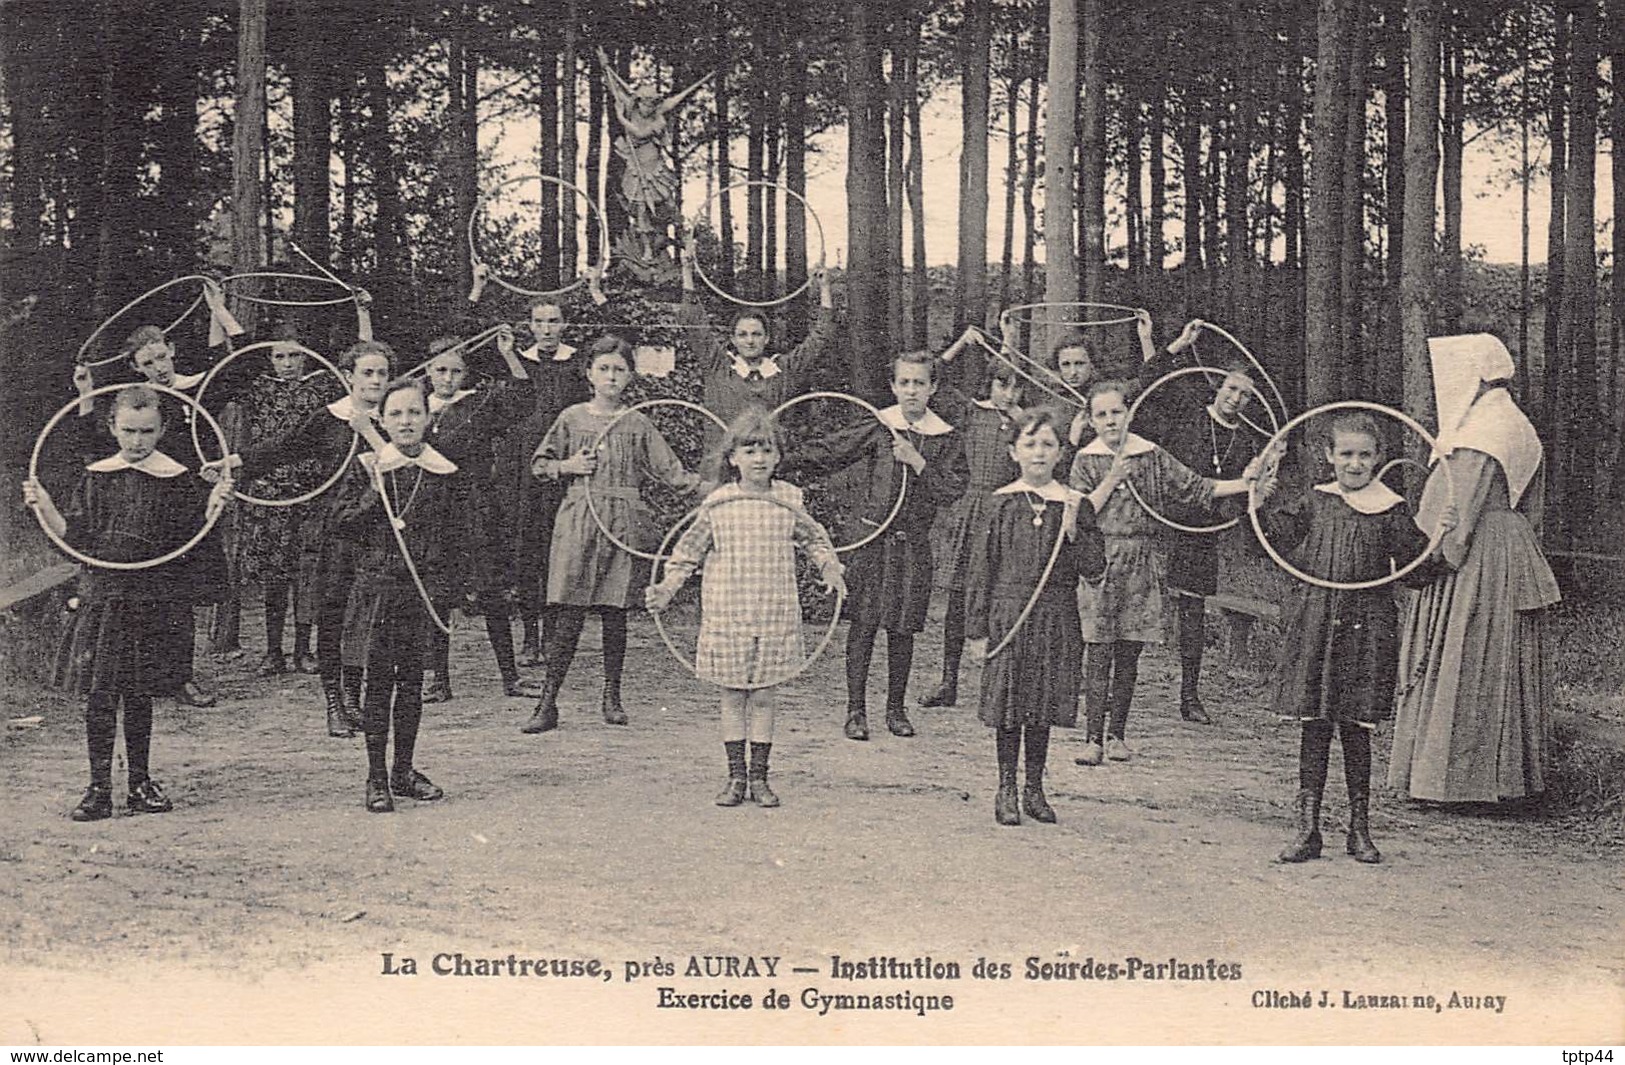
(120, 147)
(1416, 295)
(1324, 313)
(1390, 364)
(920, 329)
(1353, 379)
(1012, 169)
(795, 178)
(1555, 375)
(595, 159)
(570, 211)
(178, 92)
(1190, 176)
(547, 149)
(313, 136)
(1060, 267)
(896, 181)
(1450, 281)
(1133, 184)
(1156, 251)
(247, 140)
(1587, 426)
(1616, 306)
(1029, 182)
(1092, 156)
(970, 284)
(725, 224)
(871, 341)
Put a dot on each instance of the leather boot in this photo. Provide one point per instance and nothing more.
(945, 694)
(1359, 841)
(336, 725)
(857, 725)
(610, 705)
(545, 718)
(350, 698)
(1306, 844)
(1006, 802)
(897, 722)
(437, 687)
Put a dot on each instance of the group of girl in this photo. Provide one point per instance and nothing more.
(522, 496)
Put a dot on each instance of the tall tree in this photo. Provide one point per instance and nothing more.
(724, 137)
(248, 119)
(1012, 163)
(313, 134)
(1352, 379)
(1616, 303)
(1453, 135)
(970, 284)
(1323, 314)
(179, 87)
(1060, 142)
(1029, 181)
(920, 323)
(866, 197)
(1579, 313)
(1390, 358)
(595, 154)
(1092, 157)
(547, 148)
(569, 166)
(1555, 379)
(795, 170)
(1416, 295)
(120, 149)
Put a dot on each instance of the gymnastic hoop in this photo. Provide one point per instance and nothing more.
(326, 365)
(1348, 586)
(1043, 579)
(482, 270)
(1239, 346)
(1129, 424)
(1401, 461)
(902, 483)
(209, 517)
(280, 275)
(699, 271)
(462, 347)
(998, 353)
(598, 443)
(204, 279)
(395, 526)
(1126, 314)
(835, 614)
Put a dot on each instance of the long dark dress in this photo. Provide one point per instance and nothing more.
(727, 390)
(270, 541)
(1034, 680)
(989, 467)
(1341, 659)
(132, 632)
(889, 578)
(1211, 449)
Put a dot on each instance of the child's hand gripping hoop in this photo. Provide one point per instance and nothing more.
(291, 501)
(1038, 590)
(211, 514)
(1135, 407)
(902, 483)
(396, 525)
(1279, 440)
(835, 612)
(699, 271)
(1003, 353)
(592, 508)
(202, 279)
(482, 269)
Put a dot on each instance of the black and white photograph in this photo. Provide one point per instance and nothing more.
(812, 522)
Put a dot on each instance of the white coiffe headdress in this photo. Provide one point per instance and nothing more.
(1491, 423)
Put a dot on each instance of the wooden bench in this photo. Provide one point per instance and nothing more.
(1240, 613)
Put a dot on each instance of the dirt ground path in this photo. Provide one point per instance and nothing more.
(260, 910)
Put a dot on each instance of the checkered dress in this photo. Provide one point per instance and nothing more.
(750, 625)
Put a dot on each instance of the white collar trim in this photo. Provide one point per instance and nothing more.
(561, 354)
(1134, 445)
(393, 458)
(930, 423)
(1374, 498)
(156, 464)
(436, 404)
(767, 366)
(987, 404)
(343, 407)
(1053, 492)
(185, 381)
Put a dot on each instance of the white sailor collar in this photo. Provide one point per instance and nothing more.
(343, 407)
(561, 354)
(988, 404)
(1134, 445)
(930, 423)
(157, 464)
(393, 458)
(436, 404)
(1053, 492)
(184, 382)
(1374, 498)
(767, 367)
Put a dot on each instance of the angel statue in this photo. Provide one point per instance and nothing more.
(649, 184)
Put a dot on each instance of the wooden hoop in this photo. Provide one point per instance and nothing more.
(122, 311)
(406, 552)
(592, 208)
(599, 442)
(1285, 410)
(1132, 314)
(699, 271)
(1134, 407)
(1348, 586)
(1002, 357)
(835, 613)
(355, 440)
(902, 484)
(75, 553)
(1032, 601)
(348, 297)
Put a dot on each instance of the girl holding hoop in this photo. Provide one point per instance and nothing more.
(150, 353)
(1337, 670)
(1123, 611)
(1032, 684)
(280, 545)
(737, 370)
(411, 484)
(463, 422)
(1475, 655)
(891, 575)
(750, 628)
(132, 632)
(585, 570)
(328, 434)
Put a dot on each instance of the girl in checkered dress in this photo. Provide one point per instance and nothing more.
(750, 628)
